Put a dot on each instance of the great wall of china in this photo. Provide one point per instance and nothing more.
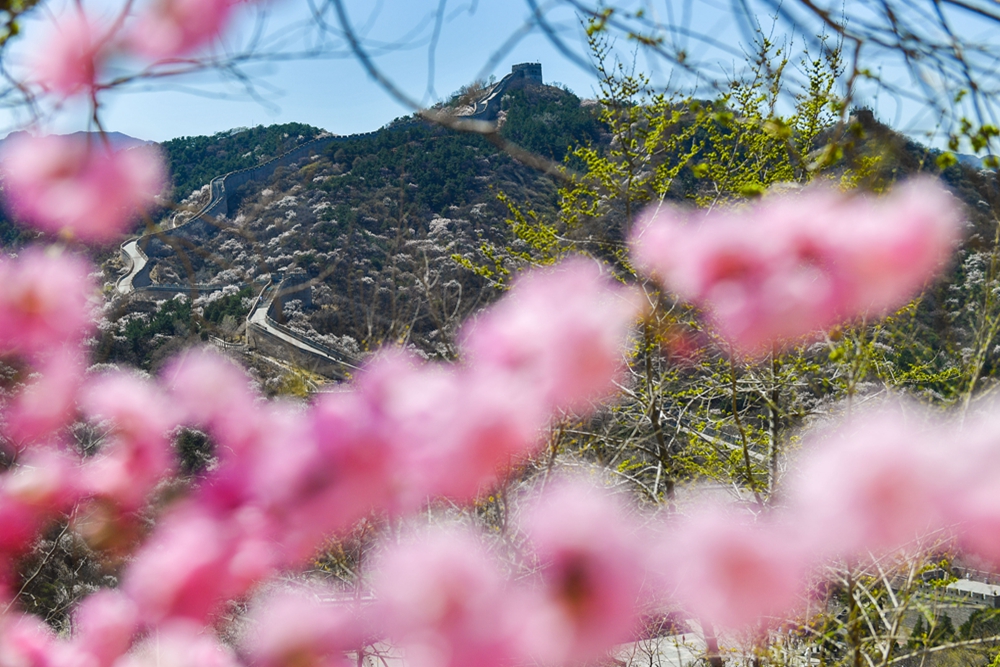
(263, 331)
(487, 107)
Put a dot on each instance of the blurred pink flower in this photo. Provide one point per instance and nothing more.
(175, 28)
(300, 628)
(213, 392)
(442, 599)
(896, 244)
(79, 186)
(69, 61)
(726, 569)
(284, 478)
(194, 562)
(180, 644)
(408, 432)
(561, 333)
(874, 484)
(467, 431)
(180, 571)
(322, 472)
(45, 303)
(592, 567)
(972, 500)
(138, 451)
(36, 490)
(48, 403)
(21, 521)
(26, 640)
(452, 429)
(780, 269)
(104, 624)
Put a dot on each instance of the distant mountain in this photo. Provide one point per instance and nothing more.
(117, 140)
(973, 161)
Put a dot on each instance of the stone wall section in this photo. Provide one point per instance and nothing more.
(221, 187)
(488, 106)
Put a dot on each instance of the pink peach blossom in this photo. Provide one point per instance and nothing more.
(21, 522)
(180, 644)
(972, 500)
(249, 470)
(874, 484)
(194, 562)
(408, 432)
(214, 393)
(441, 598)
(592, 568)
(975, 508)
(341, 470)
(174, 28)
(562, 333)
(324, 471)
(48, 403)
(79, 186)
(69, 61)
(138, 452)
(105, 623)
(40, 487)
(301, 627)
(900, 244)
(481, 424)
(26, 640)
(726, 568)
(134, 408)
(452, 429)
(45, 304)
(761, 276)
(286, 478)
(776, 271)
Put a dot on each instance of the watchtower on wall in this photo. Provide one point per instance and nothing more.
(527, 71)
(488, 106)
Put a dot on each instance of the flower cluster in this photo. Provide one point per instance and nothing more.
(407, 433)
(289, 477)
(77, 186)
(790, 266)
(874, 486)
(80, 187)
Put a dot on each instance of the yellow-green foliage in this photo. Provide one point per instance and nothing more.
(298, 382)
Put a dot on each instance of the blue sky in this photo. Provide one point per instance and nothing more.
(334, 92)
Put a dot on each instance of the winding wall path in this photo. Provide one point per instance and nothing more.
(137, 277)
(262, 328)
(259, 323)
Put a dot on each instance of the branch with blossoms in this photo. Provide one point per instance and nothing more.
(583, 566)
(406, 434)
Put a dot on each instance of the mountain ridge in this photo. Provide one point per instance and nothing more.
(117, 140)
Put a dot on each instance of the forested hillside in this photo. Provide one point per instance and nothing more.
(375, 221)
(194, 161)
(388, 225)
(704, 371)
(405, 234)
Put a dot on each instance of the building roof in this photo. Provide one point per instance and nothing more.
(978, 587)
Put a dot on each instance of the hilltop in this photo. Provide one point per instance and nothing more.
(373, 220)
